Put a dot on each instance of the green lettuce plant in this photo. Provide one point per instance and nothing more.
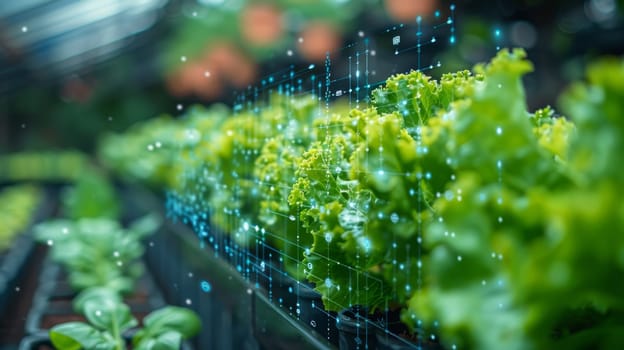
(235, 200)
(196, 153)
(274, 172)
(374, 195)
(365, 189)
(317, 195)
(146, 152)
(528, 236)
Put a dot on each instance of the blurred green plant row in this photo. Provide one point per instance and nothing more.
(102, 262)
(17, 208)
(495, 226)
(101, 258)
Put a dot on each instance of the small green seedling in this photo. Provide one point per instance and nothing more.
(109, 318)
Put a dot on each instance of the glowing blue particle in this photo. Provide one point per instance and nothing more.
(366, 244)
(452, 39)
(452, 7)
(437, 13)
(328, 283)
(394, 217)
(205, 286)
(328, 237)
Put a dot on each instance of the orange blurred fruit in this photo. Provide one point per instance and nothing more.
(261, 24)
(408, 10)
(318, 38)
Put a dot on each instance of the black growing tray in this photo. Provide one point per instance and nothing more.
(13, 262)
(236, 313)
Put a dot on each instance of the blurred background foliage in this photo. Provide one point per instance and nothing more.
(61, 86)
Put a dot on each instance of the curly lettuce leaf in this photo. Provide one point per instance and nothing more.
(520, 263)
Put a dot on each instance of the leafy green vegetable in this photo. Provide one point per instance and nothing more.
(147, 152)
(318, 196)
(168, 320)
(94, 293)
(97, 252)
(514, 271)
(274, 172)
(91, 196)
(235, 199)
(357, 189)
(198, 151)
(109, 318)
(79, 335)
